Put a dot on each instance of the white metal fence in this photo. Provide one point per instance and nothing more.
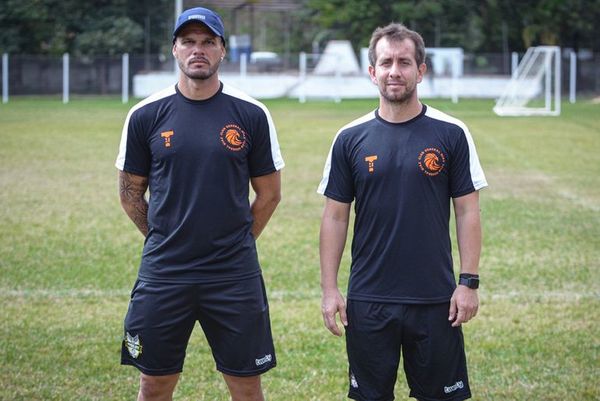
(113, 75)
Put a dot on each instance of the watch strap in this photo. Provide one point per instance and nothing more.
(469, 280)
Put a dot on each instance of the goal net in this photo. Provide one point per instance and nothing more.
(534, 88)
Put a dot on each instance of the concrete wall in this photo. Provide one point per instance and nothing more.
(269, 86)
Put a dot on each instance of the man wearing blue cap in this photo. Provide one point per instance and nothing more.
(196, 146)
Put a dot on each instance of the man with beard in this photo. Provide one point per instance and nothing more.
(402, 165)
(196, 146)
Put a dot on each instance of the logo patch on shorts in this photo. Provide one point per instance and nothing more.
(133, 344)
(264, 359)
(353, 381)
(454, 387)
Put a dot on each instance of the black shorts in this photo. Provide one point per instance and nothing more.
(432, 352)
(234, 316)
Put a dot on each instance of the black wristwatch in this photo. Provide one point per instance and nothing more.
(469, 280)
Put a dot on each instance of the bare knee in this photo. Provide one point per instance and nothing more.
(157, 388)
(244, 388)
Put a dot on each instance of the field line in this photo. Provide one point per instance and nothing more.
(568, 296)
(65, 293)
(278, 295)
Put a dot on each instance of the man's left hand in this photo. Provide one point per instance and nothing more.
(463, 305)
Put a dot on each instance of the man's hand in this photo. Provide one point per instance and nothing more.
(463, 305)
(333, 303)
(332, 238)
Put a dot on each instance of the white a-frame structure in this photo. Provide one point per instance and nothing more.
(534, 89)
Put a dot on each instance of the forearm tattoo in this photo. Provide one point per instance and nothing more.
(132, 189)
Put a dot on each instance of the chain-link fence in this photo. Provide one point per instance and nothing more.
(103, 75)
(100, 75)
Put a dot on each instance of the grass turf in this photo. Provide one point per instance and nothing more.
(69, 256)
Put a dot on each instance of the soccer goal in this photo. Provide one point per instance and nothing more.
(534, 88)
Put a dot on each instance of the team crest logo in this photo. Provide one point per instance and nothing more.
(133, 345)
(431, 161)
(233, 137)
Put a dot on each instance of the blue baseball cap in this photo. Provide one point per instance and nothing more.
(203, 15)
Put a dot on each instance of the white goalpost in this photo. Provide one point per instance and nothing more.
(534, 88)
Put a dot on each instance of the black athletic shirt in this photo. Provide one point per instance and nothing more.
(401, 177)
(198, 157)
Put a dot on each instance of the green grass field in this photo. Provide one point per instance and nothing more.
(69, 256)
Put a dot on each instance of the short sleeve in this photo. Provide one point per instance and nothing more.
(265, 156)
(337, 182)
(134, 151)
(466, 174)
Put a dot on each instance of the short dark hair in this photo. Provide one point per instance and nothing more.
(396, 31)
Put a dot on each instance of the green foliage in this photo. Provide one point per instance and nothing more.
(84, 27)
(70, 255)
(476, 26)
(558, 22)
(353, 20)
(116, 26)
(25, 25)
(441, 23)
(112, 36)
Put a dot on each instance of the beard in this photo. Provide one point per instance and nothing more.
(398, 98)
(203, 74)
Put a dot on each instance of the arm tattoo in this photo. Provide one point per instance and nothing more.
(132, 189)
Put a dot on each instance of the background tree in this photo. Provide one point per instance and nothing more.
(113, 26)
(475, 25)
(353, 20)
(110, 36)
(83, 27)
